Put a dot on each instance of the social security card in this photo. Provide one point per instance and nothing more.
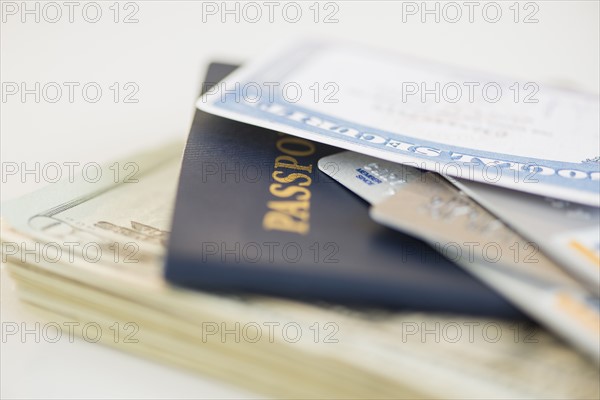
(512, 133)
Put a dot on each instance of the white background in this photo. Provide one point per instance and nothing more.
(165, 55)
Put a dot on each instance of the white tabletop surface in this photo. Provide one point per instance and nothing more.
(165, 54)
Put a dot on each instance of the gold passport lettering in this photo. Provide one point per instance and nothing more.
(292, 182)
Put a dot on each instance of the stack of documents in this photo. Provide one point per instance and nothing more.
(350, 241)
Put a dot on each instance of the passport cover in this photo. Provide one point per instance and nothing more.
(254, 214)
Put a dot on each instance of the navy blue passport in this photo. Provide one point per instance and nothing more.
(255, 215)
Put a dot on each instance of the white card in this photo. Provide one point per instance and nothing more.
(567, 232)
(505, 132)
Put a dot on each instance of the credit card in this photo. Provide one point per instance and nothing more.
(510, 133)
(436, 211)
(428, 206)
(567, 232)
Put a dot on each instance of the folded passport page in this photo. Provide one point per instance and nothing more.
(254, 214)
